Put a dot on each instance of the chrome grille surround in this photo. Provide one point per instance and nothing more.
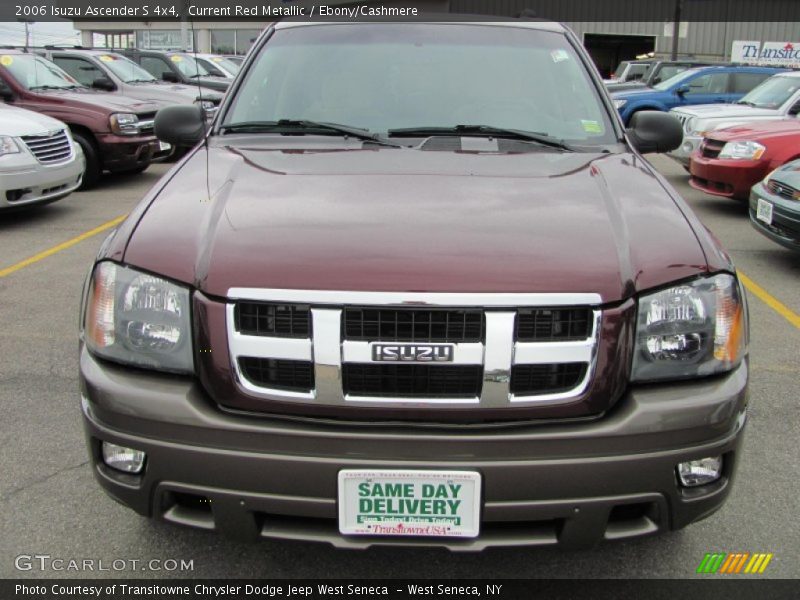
(50, 149)
(328, 349)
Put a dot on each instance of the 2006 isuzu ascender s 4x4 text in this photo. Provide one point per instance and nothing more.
(416, 285)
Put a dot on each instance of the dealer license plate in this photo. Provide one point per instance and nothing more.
(409, 503)
(764, 211)
(164, 146)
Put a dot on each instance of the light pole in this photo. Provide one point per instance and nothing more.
(676, 28)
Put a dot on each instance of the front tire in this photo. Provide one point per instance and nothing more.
(93, 170)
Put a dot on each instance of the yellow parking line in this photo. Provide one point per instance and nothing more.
(770, 300)
(55, 249)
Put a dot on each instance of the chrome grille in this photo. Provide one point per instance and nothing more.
(147, 123)
(784, 191)
(507, 349)
(711, 148)
(413, 324)
(50, 149)
(684, 119)
(290, 375)
(412, 381)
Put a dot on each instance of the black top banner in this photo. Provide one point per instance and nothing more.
(399, 10)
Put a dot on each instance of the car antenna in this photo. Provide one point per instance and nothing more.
(202, 108)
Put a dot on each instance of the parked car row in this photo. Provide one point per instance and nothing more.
(741, 133)
(71, 114)
(748, 150)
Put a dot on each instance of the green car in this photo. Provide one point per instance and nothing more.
(775, 206)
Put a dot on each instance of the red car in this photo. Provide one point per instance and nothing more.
(731, 161)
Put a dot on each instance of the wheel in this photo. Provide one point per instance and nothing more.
(93, 170)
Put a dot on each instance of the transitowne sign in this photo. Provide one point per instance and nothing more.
(778, 54)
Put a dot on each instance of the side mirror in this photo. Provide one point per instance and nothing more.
(654, 131)
(104, 83)
(180, 125)
(5, 93)
(684, 89)
(170, 77)
(794, 110)
(656, 81)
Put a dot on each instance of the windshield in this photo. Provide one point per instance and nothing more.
(667, 73)
(188, 65)
(383, 77)
(33, 72)
(224, 64)
(772, 93)
(124, 68)
(665, 85)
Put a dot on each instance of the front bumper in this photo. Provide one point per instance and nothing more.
(570, 483)
(35, 183)
(785, 226)
(125, 153)
(726, 177)
(683, 153)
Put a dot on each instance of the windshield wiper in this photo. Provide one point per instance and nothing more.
(293, 126)
(484, 130)
(53, 87)
(746, 102)
(141, 80)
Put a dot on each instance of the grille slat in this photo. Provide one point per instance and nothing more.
(413, 325)
(783, 190)
(49, 149)
(546, 378)
(553, 324)
(291, 375)
(412, 381)
(274, 320)
(711, 148)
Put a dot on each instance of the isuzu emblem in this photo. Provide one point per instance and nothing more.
(413, 352)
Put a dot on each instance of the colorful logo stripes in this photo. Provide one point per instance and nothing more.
(734, 563)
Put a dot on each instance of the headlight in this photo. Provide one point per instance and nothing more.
(619, 103)
(688, 126)
(8, 145)
(125, 124)
(742, 150)
(690, 330)
(139, 319)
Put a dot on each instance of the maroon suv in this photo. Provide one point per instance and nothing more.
(416, 286)
(114, 132)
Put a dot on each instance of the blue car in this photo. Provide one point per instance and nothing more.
(704, 85)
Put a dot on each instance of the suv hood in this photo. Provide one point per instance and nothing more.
(726, 111)
(113, 103)
(316, 217)
(18, 122)
(174, 93)
(759, 130)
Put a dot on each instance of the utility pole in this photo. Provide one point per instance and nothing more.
(184, 27)
(676, 28)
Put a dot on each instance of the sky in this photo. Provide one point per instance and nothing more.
(12, 33)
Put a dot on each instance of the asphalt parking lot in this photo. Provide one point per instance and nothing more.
(51, 505)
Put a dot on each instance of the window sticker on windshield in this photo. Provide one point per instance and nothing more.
(559, 55)
(591, 126)
(6, 60)
(106, 58)
(176, 58)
